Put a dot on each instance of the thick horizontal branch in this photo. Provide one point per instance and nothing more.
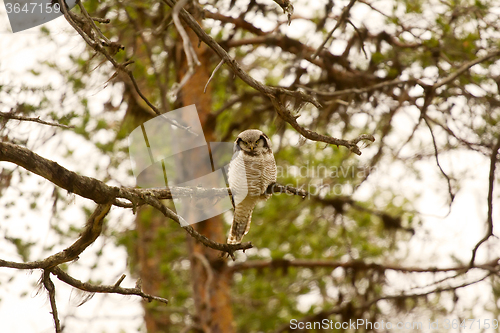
(102, 193)
(86, 187)
(200, 192)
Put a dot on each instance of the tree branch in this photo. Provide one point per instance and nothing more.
(491, 182)
(98, 42)
(49, 285)
(273, 93)
(340, 21)
(358, 91)
(102, 193)
(86, 187)
(92, 230)
(11, 115)
(464, 68)
(366, 305)
(292, 120)
(112, 289)
(266, 90)
(493, 265)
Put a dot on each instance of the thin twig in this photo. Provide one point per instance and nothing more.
(491, 182)
(91, 21)
(92, 230)
(191, 57)
(120, 280)
(112, 289)
(49, 285)
(11, 115)
(366, 305)
(222, 53)
(98, 47)
(341, 20)
(274, 93)
(359, 90)
(436, 156)
(101, 20)
(292, 120)
(213, 73)
(464, 68)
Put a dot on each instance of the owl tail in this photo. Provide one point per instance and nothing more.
(241, 221)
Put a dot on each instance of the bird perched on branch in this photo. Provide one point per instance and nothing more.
(251, 171)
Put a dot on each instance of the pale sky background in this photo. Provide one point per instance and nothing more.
(432, 245)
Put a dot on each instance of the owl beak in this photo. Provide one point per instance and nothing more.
(252, 147)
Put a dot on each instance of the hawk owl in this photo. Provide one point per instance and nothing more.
(251, 171)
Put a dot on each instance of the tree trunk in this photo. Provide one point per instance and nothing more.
(211, 281)
(210, 277)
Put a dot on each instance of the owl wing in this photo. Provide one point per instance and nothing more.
(269, 173)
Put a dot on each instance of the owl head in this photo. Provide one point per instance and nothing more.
(253, 142)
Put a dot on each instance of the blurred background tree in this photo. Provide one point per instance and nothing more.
(422, 77)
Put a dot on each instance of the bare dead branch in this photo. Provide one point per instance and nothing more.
(342, 308)
(101, 20)
(110, 289)
(92, 230)
(7, 115)
(358, 91)
(238, 22)
(213, 73)
(289, 118)
(436, 156)
(86, 187)
(120, 280)
(191, 57)
(98, 191)
(92, 23)
(491, 182)
(51, 289)
(342, 19)
(272, 92)
(465, 67)
(227, 248)
(493, 265)
(235, 67)
(85, 27)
